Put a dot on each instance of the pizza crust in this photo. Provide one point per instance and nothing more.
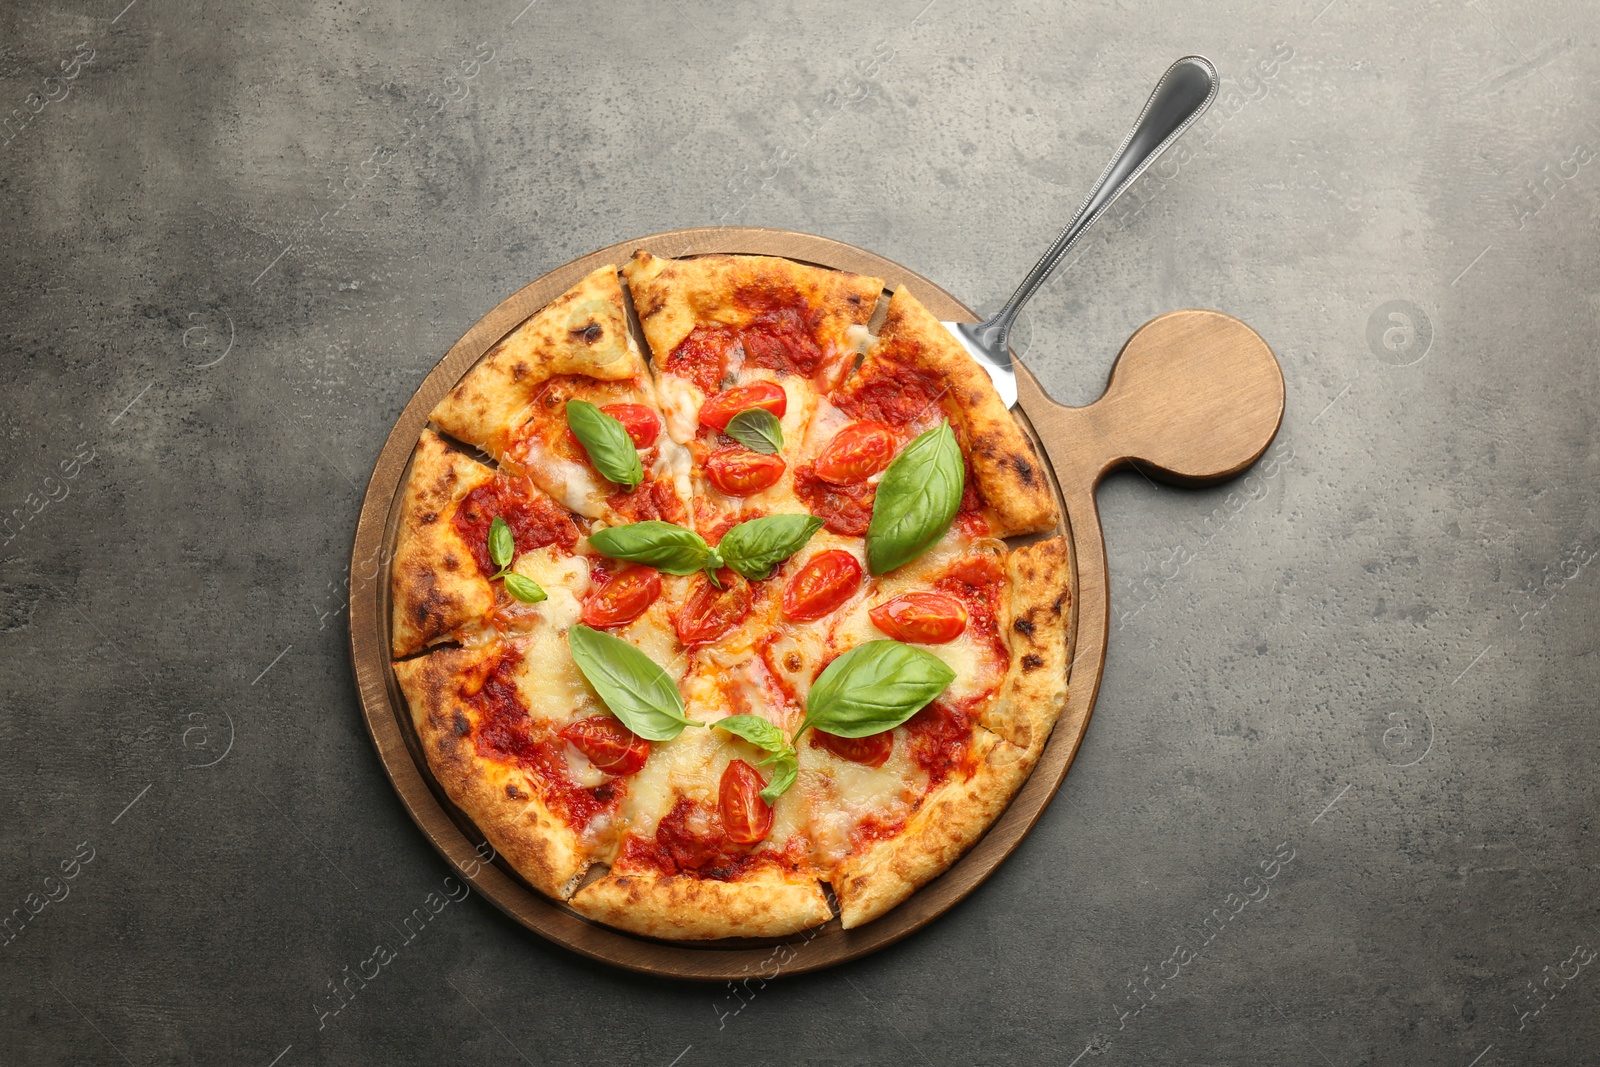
(437, 585)
(1008, 472)
(583, 331)
(1035, 690)
(541, 847)
(673, 296)
(950, 821)
(683, 907)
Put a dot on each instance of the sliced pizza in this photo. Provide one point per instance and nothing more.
(787, 707)
(443, 574)
(914, 376)
(958, 601)
(514, 405)
(736, 334)
(946, 773)
(517, 735)
(494, 727)
(701, 854)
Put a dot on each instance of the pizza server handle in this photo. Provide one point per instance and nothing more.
(1181, 96)
(1194, 398)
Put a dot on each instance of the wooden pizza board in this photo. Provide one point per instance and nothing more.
(1194, 398)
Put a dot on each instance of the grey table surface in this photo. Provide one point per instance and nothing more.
(1337, 801)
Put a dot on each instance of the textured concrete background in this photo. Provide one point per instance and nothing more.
(1337, 803)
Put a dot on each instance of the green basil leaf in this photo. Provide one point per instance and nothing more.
(606, 441)
(917, 498)
(502, 546)
(755, 548)
(633, 687)
(874, 687)
(524, 589)
(785, 769)
(662, 545)
(758, 430)
(781, 756)
(756, 730)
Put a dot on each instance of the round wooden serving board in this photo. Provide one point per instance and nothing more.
(1195, 397)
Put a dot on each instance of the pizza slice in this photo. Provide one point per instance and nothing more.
(443, 574)
(704, 854)
(914, 376)
(938, 781)
(730, 334)
(881, 809)
(494, 728)
(514, 406)
(521, 742)
(701, 855)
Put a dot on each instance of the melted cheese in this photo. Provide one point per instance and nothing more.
(549, 682)
(839, 794)
(826, 422)
(859, 338)
(687, 764)
(575, 485)
(680, 405)
(674, 464)
(563, 577)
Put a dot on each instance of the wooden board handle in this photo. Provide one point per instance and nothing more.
(1195, 397)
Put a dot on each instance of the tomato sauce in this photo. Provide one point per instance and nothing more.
(702, 357)
(940, 739)
(873, 828)
(844, 509)
(782, 340)
(506, 733)
(895, 393)
(721, 522)
(780, 336)
(653, 498)
(690, 838)
(534, 520)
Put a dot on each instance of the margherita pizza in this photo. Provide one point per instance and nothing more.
(713, 631)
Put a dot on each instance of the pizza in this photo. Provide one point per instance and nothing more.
(749, 623)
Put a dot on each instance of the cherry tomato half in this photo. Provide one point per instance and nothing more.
(622, 599)
(740, 472)
(610, 746)
(642, 423)
(873, 750)
(746, 818)
(709, 612)
(921, 618)
(856, 453)
(719, 409)
(826, 581)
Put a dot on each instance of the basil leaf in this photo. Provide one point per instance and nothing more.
(501, 544)
(917, 498)
(874, 687)
(758, 430)
(606, 441)
(633, 687)
(785, 769)
(781, 756)
(662, 545)
(524, 589)
(755, 548)
(756, 730)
